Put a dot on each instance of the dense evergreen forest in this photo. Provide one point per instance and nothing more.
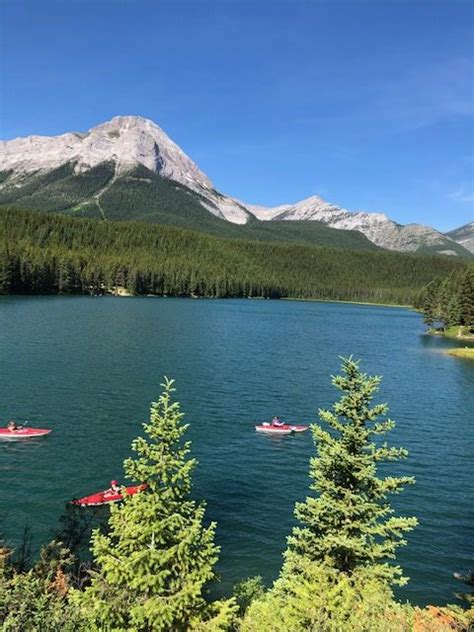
(449, 301)
(43, 253)
(142, 195)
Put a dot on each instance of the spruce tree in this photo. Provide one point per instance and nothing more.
(430, 302)
(445, 292)
(466, 299)
(156, 561)
(349, 523)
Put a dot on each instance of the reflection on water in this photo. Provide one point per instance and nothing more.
(21, 445)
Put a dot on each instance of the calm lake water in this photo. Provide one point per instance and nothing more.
(88, 368)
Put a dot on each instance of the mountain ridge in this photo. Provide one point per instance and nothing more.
(463, 235)
(126, 143)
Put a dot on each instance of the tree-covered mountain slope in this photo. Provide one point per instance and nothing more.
(129, 168)
(146, 196)
(50, 253)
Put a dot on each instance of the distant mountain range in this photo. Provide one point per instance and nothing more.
(128, 168)
(464, 236)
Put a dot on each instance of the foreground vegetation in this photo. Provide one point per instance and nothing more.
(153, 563)
(43, 254)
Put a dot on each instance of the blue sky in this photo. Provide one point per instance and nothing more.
(368, 103)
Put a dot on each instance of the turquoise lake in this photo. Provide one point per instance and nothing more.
(89, 368)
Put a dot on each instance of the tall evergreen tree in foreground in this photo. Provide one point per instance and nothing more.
(350, 523)
(336, 574)
(155, 563)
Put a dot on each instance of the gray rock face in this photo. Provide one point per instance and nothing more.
(128, 141)
(464, 235)
(377, 227)
(125, 141)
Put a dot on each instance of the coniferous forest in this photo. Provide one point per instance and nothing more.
(449, 301)
(49, 254)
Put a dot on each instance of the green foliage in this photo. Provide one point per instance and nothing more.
(156, 561)
(247, 591)
(60, 190)
(350, 523)
(465, 300)
(336, 574)
(144, 195)
(429, 303)
(141, 194)
(50, 254)
(318, 598)
(36, 600)
(449, 301)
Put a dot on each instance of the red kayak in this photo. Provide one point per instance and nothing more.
(22, 433)
(280, 429)
(108, 496)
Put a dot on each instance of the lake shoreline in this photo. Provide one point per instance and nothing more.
(127, 294)
(452, 333)
(333, 300)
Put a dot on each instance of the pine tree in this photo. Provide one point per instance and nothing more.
(154, 565)
(350, 523)
(466, 299)
(430, 301)
(5, 273)
(445, 292)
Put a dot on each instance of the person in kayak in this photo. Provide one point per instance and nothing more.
(12, 426)
(276, 421)
(114, 487)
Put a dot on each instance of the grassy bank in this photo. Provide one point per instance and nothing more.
(466, 352)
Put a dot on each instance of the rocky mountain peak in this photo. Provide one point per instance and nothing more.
(126, 141)
(130, 141)
(123, 121)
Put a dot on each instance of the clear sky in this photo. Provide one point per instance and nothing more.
(368, 103)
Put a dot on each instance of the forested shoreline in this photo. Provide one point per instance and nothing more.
(448, 302)
(52, 254)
